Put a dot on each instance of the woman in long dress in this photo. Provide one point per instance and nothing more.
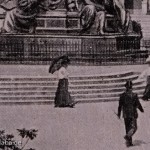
(62, 96)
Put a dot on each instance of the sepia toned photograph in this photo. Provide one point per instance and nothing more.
(74, 74)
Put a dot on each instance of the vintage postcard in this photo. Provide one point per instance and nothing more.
(74, 74)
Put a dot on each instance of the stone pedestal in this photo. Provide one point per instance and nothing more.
(41, 49)
(51, 21)
(58, 22)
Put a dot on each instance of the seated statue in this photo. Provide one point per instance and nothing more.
(94, 12)
(122, 14)
(72, 5)
(21, 18)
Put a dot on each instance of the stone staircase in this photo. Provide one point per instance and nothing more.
(84, 89)
(144, 20)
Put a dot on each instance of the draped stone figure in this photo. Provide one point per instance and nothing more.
(21, 17)
(72, 5)
(122, 14)
(94, 12)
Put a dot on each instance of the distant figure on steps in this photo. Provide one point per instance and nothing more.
(146, 75)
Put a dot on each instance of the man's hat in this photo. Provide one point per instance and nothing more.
(148, 60)
(129, 84)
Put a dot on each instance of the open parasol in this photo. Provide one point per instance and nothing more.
(57, 63)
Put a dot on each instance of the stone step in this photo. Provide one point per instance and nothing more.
(104, 91)
(77, 77)
(51, 96)
(97, 100)
(72, 79)
(26, 93)
(146, 34)
(72, 87)
(72, 91)
(75, 87)
(146, 30)
(83, 88)
(110, 85)
(27, 84)
(27, 79)
(140, 17)
(101, 95)
(112, 59)
(104, 76)
(143, 20)
(84, 82)
(29, 102)
(146, 24)
(102, 81)
(107, 56)
(31, 88)
(111, 92)
(79, 100)
(74, 82)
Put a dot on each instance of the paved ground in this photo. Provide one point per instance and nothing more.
(42, 70)
(85, 127)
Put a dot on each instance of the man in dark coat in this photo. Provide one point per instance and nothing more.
(129, 103)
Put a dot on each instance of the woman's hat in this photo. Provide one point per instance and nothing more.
(148, 60)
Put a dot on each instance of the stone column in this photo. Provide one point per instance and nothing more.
(144, 6)
(148, 5)
(134, 6)
(137, 6)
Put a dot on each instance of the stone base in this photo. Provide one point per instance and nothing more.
(41, 49)
(59, 22)
(62, 22)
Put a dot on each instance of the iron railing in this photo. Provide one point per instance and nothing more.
(90, 50)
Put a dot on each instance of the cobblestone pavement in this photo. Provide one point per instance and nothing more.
(85, 127)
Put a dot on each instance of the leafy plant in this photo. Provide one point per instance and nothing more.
(7, 141)
(27, 135)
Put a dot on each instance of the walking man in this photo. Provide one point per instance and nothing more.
(128, 103)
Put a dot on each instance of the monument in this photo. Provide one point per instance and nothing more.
(65, 16)
(45, 29)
